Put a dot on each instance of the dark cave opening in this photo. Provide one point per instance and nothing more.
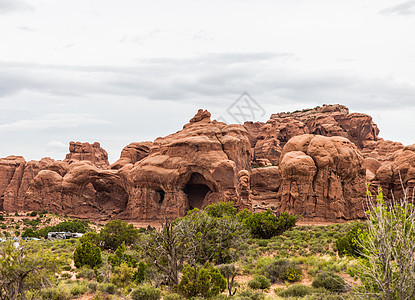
(160, 196)
(196, 190)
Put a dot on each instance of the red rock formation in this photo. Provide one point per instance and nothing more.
(329, 120)
(313, 162)
(190, 168)
(132, 153)
(318, 177)
(85, 151)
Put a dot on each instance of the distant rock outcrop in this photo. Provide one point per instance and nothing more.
(313, 162)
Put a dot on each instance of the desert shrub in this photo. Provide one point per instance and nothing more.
(55, 293)
(121, 257)
(93, 286)
(98, 296)
(87, 254)
(140, 273)
(172, 296)
(250, 294)
(259, 282)
(267, 224)
(146, 293)
(79, 288)
(221, 209)
(33, 214)
(117, 232)
(86, 273)
(330, 281)
(70, 226)
(1, 218)
(204, 281)
(349, 244)
(296, 290)
(108, 288)
(283, 270)
(122, 276)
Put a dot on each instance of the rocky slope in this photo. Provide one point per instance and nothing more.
(313, 162)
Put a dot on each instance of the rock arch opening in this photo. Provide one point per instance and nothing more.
(110, 196)
(197, 190)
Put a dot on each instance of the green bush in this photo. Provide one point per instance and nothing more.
(283, 270)
(250, 294)
(86, 273)
(108, 288)
(117, 232)
(267, 224)
(296, 290)
(330, 281)
(33, 214)
(221, 209)
(122, 276)
(79, 288)
(87, 254)
(349, 244)
(146, 293)
(55, 293)
(259, 282)
(172, 296)
(204, 281)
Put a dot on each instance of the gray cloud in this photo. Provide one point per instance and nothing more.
(405, 8)
(10, 6)
(220, 76)
(53, 121)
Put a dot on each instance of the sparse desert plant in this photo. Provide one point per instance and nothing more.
(172, 296)
(146, 293)
(259, 282)
(108, 288)
(283, 270)
(330, 281)
(296, 290)
(387, 268)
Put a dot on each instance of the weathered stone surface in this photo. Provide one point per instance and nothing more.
(398, 173)
(90, 152)
(132, 153)
(191, 168)
(318, 177)
(329, 120)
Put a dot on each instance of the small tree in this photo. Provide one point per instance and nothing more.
(387, 268)
(22, 267)
(117, 232)
(87, 254)
(229, 271)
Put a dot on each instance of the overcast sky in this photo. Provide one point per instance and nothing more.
(130, 70)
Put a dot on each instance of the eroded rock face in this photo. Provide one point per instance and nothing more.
(317, 177)
(87, 152)
(269, 138)
(191, 168)
(398, 173)
(132, 153)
